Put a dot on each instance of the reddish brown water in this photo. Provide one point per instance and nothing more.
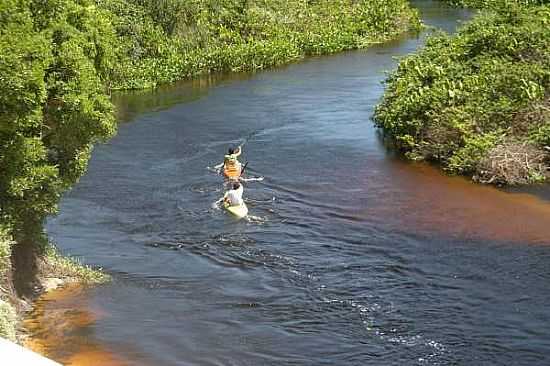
(59, 325)
(429, 202)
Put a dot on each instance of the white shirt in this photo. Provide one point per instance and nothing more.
(235, 196)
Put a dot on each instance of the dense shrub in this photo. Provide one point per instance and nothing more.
(163, 41)
(462, 98)
(53, 106)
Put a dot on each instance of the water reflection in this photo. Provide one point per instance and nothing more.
(130, 104)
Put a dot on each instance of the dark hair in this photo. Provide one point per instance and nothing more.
(231, 151)
(236, 185)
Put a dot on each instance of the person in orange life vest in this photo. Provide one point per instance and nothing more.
(231, 165)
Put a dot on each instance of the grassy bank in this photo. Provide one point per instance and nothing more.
(173, 39)
(478, 103)
(67, 269)
(52, 270)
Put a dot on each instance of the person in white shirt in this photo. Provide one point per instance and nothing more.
(234, 197)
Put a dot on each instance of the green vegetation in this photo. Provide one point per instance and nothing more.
(163, 41)
(58, 266)
(478, 102)
(53, 105)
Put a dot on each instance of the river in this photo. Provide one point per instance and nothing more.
(353, 256)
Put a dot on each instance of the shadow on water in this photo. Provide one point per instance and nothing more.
(130, 104)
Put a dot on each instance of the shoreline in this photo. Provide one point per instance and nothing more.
(61, 316)
(54, 272)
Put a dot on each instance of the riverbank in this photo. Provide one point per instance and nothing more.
(45, 271)
(477, 103)
(62, 317)
(174, 40)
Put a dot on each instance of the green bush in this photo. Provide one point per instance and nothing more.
(53, 103)
(169, 40)
(462, 95)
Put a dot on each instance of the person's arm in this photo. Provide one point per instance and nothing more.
(238, 152)
(222, 199)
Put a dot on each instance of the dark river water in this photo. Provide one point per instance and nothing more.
(352, 256)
